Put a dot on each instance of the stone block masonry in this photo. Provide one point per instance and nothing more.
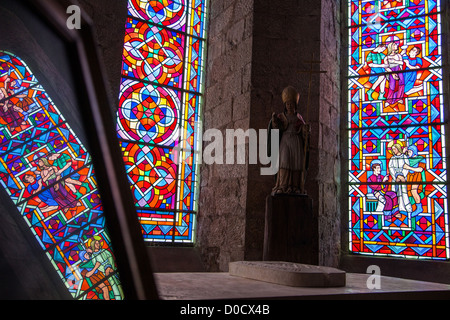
(255, 49)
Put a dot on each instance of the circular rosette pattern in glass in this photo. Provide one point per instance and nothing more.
(152, 175)
(154, 54)
(148, 114)
(169, 13)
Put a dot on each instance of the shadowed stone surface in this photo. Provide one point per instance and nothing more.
(288, 273)
(291, 230)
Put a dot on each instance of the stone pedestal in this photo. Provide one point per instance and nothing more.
(291, 230)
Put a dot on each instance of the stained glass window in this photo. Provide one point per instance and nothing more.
(48, 175)
(397, 158)
(158, 120)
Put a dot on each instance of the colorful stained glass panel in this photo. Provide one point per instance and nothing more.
(397, 152)
(48, 175)
(369, 12)
(149, 113)
(168, 13)
(158, 120)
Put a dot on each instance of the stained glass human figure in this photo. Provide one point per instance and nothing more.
(14, 114)
(387, 200)
(412, 62)
(403, 131)
(416, 174)
(34, 185)
(394, 62)
(51, 178)
(64, 164)
(98, 269)
(375, 60)
(399, 172)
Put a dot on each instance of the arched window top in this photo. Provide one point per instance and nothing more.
(397, 158)
(49, 177)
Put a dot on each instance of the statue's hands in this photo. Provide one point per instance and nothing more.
(306, 130)
(276, 121)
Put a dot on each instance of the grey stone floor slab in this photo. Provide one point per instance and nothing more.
(223, 286)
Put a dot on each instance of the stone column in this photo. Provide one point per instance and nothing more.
(255, 49)
(223, 193)
(328, 175)
(286, 34)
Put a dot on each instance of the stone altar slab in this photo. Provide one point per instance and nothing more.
(289, 273)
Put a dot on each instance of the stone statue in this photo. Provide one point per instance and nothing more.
(294, 146)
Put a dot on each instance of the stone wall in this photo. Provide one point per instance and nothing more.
(281, 49)
(285, 40)
(255, 50)
(222, 203)
(329, 172)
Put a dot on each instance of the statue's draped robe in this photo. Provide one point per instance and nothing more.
(293, 153)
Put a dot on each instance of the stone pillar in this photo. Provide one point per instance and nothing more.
(255, 49)
(223, 190)
(285, 36)
(291, 230)
(328, 175)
